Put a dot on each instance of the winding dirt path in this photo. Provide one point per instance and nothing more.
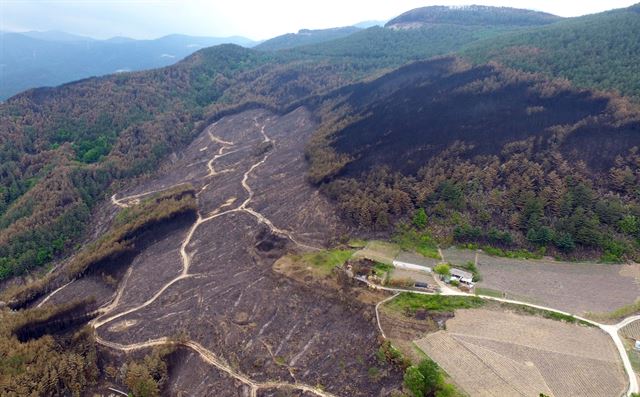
(186, 257)
(215, 361)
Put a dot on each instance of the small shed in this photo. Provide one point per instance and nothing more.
(462, 276)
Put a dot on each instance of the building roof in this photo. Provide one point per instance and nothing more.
(461, 273)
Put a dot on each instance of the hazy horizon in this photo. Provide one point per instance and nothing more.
(151, 19)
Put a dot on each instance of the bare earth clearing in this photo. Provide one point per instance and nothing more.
(249, 331)
(495, 353)
(572, 287)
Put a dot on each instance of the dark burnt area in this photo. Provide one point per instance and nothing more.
(416, 112)
(143, 237)
(599, 145)
(62, 322)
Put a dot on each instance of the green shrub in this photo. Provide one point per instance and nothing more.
(414, 381)
(390, 355)
(427, 379)
(565, 242)
(443, 269)
(419, 219)
(471, 267)
(466, 233)
(614, 251)
(410, 240)
(630, 225)
(409, 302)
(431, 375)
(380, 269)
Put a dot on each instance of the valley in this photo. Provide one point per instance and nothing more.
(446, 206)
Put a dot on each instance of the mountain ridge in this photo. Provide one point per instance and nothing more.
(305, 37)
(471, 15)
(186, 206)
(31, 61)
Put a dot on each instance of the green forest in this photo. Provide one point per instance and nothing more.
(598, 51)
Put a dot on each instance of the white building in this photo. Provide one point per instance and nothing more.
(411, 261)
(462, 276)
(410, 266)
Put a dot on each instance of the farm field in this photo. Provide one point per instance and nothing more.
(573, 287)
(497, 353)
(631, 330)
(379, 251)
(630, 334)
(423, 277)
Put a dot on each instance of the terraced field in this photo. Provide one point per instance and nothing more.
(631, 330)
(495, 353)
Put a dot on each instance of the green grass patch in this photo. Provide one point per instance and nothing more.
(380, 269)
(488, 292)
(357, 243)
(379, 251)
(410, 302)
(624, 311)
(634, 356)
(532, 311)
(421, 242)
(326, 261)
(513, 254)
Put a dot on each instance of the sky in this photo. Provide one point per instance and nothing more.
(255, 19)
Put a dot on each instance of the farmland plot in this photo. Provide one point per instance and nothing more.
(631, 330)
(379, 251)
(494, 353)
(573, 287)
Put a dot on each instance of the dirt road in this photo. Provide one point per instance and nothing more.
(249, 323)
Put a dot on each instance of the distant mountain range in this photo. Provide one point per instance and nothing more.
(307, 36)
(34, 59)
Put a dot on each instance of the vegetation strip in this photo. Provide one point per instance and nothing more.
(119, 240)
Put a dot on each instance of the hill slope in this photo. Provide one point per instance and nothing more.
(505, 157)
(596, 51)
(51, 58)
(305, 37)
(61, 149)
(470, 15)
(496, 157)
